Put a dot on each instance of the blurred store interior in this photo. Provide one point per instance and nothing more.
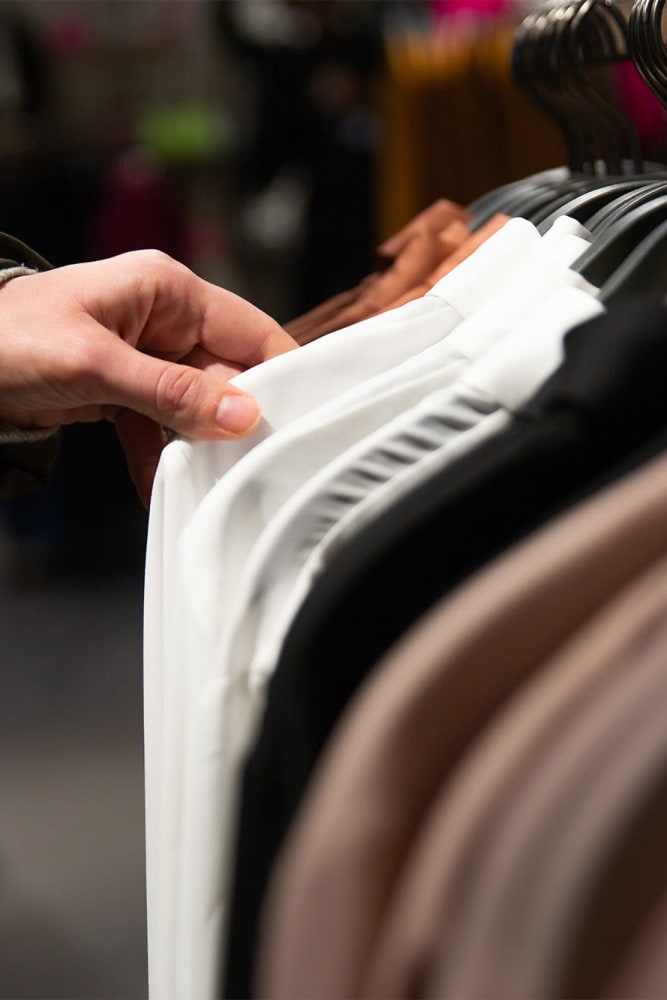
(270, 145)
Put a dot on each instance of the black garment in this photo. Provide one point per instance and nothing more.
(314, 115)
(602, 412)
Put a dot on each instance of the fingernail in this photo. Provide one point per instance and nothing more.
(237, 414)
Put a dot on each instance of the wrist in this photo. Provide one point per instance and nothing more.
(12, 433)
(15, 271)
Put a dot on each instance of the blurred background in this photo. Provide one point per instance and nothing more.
(270, 145)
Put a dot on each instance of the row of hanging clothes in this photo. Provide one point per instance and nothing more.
(453, 68)
(406, 645)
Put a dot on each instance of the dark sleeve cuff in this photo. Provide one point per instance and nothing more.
(14, 252)
(26, 459)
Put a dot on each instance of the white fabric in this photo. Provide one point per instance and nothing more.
(237, 508)
(297, 543)
(350, 371)
(294, 545)
(187, 472)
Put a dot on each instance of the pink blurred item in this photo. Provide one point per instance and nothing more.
(477, 9)
(640, 104)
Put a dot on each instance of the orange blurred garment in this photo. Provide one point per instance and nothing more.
(460, 251)
(410, 256)
(421, 257)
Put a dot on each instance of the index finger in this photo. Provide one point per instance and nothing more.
(159, 305)
(237, 331)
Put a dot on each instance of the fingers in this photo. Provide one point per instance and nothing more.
(235, 330)
(159, 305)
(142, 440)
(141, 332)
(197, 404)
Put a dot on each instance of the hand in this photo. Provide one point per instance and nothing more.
(138, 339)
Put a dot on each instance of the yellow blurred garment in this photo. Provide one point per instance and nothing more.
(455, 124)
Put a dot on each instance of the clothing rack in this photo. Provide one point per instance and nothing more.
(405, 661)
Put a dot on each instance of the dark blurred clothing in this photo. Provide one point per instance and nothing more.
(314, 111)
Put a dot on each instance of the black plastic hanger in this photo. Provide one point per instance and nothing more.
(584, 205)
(599, 37)
(553, 49)
(643, 38)
(528, 72)
(644, 42)
(505, 197)
(622, 205)
(575, 37)
(629, 249)
(619, 240)
(643, 272)
(646, 45)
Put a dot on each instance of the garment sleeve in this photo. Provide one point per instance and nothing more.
(27, 456)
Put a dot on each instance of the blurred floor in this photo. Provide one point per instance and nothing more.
(72, 891)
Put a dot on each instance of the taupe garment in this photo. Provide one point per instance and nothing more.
(536, 896)
(464, 817)
(641, 971)
(423, 705)
(524, 841)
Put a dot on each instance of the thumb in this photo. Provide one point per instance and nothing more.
(197, 404)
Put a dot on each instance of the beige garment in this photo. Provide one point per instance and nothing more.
(417, 713)
(446, 862)
(641, 970)
(562, 881)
